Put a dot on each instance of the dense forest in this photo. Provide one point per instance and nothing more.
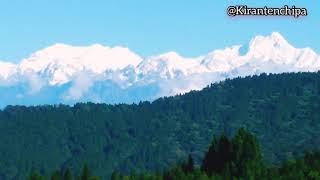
(236, 158)
(282, 111)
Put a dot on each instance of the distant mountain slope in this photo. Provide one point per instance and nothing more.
(67, 74)
(281, 110)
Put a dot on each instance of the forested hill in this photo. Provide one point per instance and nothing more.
(283, 111)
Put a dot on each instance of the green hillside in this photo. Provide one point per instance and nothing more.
(235, 158)
(283, 111)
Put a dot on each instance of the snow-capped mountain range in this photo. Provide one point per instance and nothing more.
(67, 74)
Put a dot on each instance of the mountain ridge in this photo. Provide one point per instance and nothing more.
(123, 73)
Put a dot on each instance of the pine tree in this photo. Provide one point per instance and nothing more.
(56, 175)
(67, 174)
(246, 155)
(85, 173)
(188, 166)
(208, 164)
(35, 176)
(218, 157)
(115, 175)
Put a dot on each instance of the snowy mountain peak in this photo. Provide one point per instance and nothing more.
(170, 55)
(7, 69)
(117, 57)
(276, 36)
(273, 47)
(265, 43)
(62, 61)
(66, 74)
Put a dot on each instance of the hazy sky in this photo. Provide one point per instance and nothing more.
(148, 27)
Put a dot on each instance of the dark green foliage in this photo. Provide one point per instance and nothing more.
(305, 168)
(67, 174)
(246, 155)
(35, 176)
(218, 157)
(116, 176)
(238, 158)
(56, 175)
(188, 166)
(281, 110)
(85, 173)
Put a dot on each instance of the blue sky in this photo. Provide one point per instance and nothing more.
(148, 27)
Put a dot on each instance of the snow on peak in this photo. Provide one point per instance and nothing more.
(63, 61)
(273, 47)
(169, 66)
(115, 74)
(223, 60)
(7, 69)
(274, 40)
(170, 56)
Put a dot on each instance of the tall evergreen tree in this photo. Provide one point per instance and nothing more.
(35, 176)
(67, 174)
(246, 155)
(85, 173)
(115, 175)
(190, 164)
(56, 175)
(218, 157)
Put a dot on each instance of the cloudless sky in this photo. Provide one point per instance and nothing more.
(147, 27)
